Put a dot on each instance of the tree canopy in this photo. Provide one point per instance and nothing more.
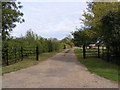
(68, 41)
(111, 28)
(101, 20)
(84, 37)
(10, 15)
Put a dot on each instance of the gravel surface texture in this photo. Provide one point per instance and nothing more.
(60, 71)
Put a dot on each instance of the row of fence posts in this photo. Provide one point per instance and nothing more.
(21, 50)
(107, 57)
(108, 53)
(84, 51)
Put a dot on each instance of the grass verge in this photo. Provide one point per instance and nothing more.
(99, 66)
(26, 63)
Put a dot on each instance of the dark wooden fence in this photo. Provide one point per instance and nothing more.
(90, 52)
(110, 55)
(16, 54)
(106, 53)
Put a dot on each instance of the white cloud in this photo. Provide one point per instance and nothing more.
(54, 0)
(50, 19)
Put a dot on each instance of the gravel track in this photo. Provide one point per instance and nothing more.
(60, 71)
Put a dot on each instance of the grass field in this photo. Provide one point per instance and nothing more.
(99, 66)
(26, 63)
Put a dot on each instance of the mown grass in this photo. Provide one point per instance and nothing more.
(99, 66)
(26, 63)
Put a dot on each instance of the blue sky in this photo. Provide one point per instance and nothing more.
(50, 19)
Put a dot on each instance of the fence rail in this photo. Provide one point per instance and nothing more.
(91, 52)
(104, 52)
(13, 55)
(109, 55)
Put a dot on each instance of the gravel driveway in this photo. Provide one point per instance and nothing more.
(60, 71)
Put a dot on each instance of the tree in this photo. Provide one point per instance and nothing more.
(95, 12)
(68, 40)
(111, 23)
(111, 33)
(84, 37)
(10, 14)
(93, 29)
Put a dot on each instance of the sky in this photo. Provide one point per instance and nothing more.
(50, 19)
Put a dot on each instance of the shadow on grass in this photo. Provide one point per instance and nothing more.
(26, 62)
(99, 66)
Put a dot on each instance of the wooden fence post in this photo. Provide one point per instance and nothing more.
(7, 56)
(15, 55)
(102, 52)
(98, 51)
(21, 53)
(108, 48)
(64, 46)
(84, 53)
(37, 53)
